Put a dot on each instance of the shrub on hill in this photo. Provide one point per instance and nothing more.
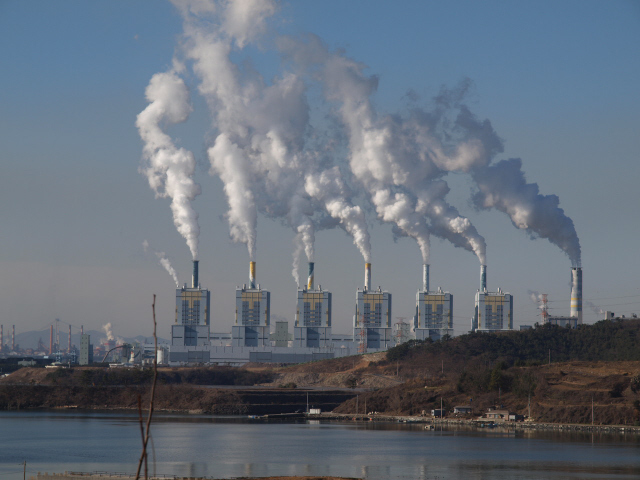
(605, 340)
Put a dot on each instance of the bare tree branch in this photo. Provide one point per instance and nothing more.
(145, 431)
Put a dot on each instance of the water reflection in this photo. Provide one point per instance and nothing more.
(219, 447)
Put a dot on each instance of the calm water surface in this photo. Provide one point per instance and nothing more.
(224, 447)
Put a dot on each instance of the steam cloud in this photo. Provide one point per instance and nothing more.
(503, 186)
(169, 169)
(260, 151)
(163, 261)
(108, 331)
(272, 161)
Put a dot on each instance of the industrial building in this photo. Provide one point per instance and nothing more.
(575, 316)
(434, 311)
(493, 310)
(86, 350)
(313, 315)
(372, 320)
(253, 314)
(193, 314)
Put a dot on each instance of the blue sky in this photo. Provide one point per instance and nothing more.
(558, 81)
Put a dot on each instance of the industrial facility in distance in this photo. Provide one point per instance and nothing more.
(253, 340)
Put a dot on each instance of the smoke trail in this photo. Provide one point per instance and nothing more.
(163, 261)
(258, 149)
(394, 158)
(108, 331)
(329, 188)
(169, 169)
(503, 186)
(261, 151)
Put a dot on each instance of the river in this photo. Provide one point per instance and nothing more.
(224, 447)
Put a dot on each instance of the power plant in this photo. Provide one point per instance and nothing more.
(493, 310)
(372, 321)
(253, 314)
(434, 311)
(312, 326)
(251, 339)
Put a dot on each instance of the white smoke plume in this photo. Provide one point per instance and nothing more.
(536, 297)
(503, 186)
(170, 169)
(108, 331)
(163, 261)
(260, 150)
(593, 307)
(395, 159)
(328, 188)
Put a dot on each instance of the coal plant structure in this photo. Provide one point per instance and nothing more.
(372, 320)
(251, 340)
(493, 310)
(312, 326)
(434, 311)
(193, 317)
(253, 314)
(575, 313)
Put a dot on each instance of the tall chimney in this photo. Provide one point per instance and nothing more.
(51, 340)
(367, 276)
(81, 329)
(425, 277)
(576, 293)
(483, 278)
(194, 279)
(252, 275)
(1, 338)
(69, 345)
(310, 279)
(13, 339)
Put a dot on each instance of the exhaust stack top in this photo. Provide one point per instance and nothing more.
(367, 276)
(425, 277)
(252, 275)
(310, 279)
(483, 278)
(576, 294)
(194, 279)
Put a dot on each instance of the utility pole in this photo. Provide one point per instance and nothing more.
(549, 357)
(592, 410)
(24, 472)
(357, 400)
(529, 406)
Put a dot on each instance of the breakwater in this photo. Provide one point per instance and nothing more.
(445, 422)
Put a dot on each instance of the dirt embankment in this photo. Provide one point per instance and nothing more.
(350, 372)
(40, 388)
(561, 392)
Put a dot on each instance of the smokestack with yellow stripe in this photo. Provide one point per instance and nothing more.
(425, 277)
(576, 294)
(310, 279)
(252, 275)
(367, 276)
